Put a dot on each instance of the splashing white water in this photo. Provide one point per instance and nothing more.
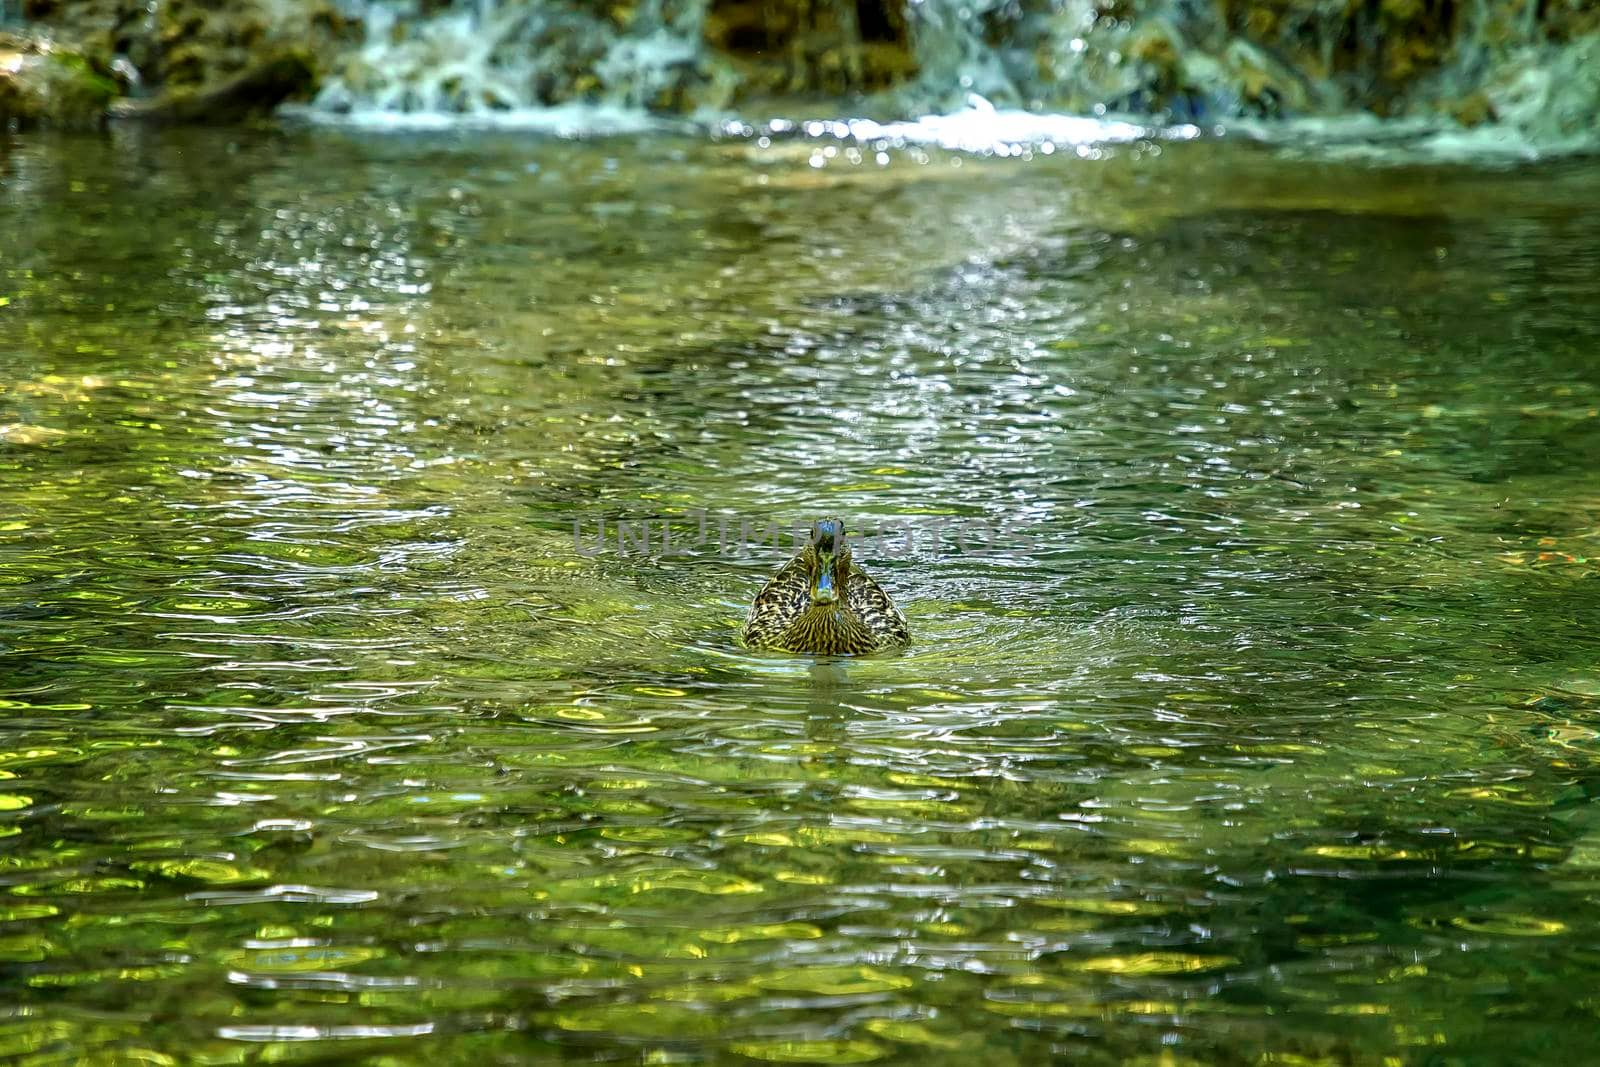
(498, 61)
(980, 128)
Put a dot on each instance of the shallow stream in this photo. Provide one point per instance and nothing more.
(1266, 734)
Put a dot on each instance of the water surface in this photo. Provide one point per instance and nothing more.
(321, 741)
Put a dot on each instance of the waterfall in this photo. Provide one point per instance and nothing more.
(1475, 63)
(953, 58)
(501, 55)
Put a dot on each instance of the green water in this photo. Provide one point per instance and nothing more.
(321, 741)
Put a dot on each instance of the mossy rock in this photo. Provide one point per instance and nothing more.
(183, 51)
(41, 85)
(826, 47)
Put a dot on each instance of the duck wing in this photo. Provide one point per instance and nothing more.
(868, 600)
(779, 603)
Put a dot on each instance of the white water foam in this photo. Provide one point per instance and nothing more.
(1405, 141)
(980, 129)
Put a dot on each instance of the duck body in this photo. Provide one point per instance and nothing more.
(822, 604)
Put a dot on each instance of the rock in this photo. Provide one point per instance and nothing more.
(254, 92)
(199, 60)
(45, 85)
(810, 47)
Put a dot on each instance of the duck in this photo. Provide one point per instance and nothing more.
(821, 603)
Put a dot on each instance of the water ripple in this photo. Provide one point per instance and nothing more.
(320, 736)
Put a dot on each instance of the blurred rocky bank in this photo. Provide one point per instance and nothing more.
(1532, 66)
(77, 62)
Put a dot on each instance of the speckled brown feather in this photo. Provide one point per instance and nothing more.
(873, 606)
(783, 617)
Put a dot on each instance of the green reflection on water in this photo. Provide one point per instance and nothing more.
(321, 741)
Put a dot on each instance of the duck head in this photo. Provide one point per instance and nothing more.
(827, 558)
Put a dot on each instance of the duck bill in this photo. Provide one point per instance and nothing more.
(823, 590)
